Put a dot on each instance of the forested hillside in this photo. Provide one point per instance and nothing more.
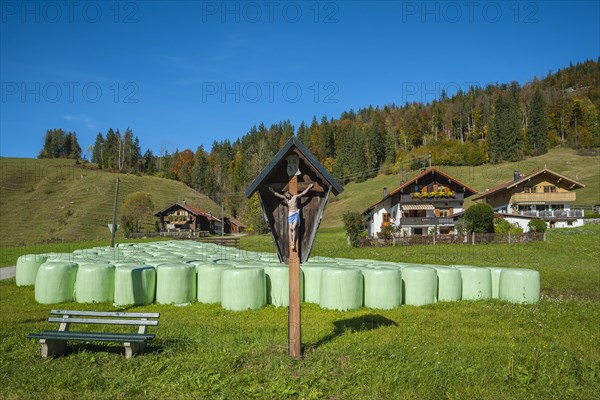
(492, 124)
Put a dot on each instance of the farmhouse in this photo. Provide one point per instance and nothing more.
(543, 194)
(234, 226)
(420, 206)
(180, 217)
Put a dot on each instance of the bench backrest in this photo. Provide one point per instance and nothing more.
(105, 318)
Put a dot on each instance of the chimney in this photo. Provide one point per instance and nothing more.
(385, 192)
(184, 203)
(517, 175)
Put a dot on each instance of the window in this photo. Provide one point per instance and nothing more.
(386, 218)
(530, 189)
(549, 189)
(417, 188)
(444, 213)
(569, 223)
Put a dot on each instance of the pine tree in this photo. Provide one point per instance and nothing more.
(203, 177)
(538, 125)
(303, 133)
(73, 150)
(46, 151)
(356, 155)
(505, 134)
(57, 144)
(97, 152)
(148, 162)
(136, 154)
(110, 149)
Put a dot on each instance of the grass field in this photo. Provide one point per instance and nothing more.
(461, 350)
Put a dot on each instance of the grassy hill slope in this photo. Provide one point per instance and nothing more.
(56, 199)
(585, 169)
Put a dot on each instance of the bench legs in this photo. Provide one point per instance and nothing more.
(133, 348)
(53, 348)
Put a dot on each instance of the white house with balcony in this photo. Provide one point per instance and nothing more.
(543, 194)
(420, 206)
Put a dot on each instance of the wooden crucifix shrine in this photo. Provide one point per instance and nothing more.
(293, 190)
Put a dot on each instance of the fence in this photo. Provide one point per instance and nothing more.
(470, 238)
(174, 235)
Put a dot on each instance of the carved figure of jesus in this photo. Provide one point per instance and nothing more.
(292, 203)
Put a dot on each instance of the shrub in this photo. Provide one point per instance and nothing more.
(503, 226)
(355, 225)
(253, 215)
(479, 218)
(136, 211)
(387, 232)
(537, 226)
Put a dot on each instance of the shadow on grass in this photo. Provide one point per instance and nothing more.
(358, 324)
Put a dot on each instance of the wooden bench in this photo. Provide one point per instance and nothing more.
(54, 343)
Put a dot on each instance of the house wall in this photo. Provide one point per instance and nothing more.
(522, 222)
(565, 224)
(376, 219)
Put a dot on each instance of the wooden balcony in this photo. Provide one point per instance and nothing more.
(543, 198)
(426, 221)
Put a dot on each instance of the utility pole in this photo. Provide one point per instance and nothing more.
(222, 218)
(114, 223)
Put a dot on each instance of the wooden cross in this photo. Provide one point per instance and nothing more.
(292, 170)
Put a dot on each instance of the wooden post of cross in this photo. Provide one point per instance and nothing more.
(294, 317)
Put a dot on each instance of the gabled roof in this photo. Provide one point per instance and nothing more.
(236, 222)
(433, 170)
(525, 178)
(193, 210)
(336, 188)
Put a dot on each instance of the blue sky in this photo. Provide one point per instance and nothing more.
(186, 74)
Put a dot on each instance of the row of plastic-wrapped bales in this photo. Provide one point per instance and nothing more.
(182, 272)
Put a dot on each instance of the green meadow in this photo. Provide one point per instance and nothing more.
(460, 350)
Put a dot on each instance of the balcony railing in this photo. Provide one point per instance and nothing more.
(408, 198)
(553, 213)
(426, 221)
